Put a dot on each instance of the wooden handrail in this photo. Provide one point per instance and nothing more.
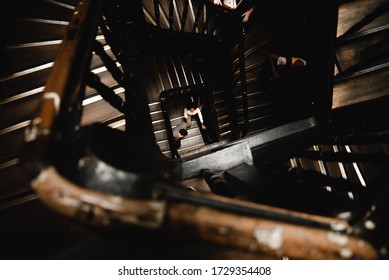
(252, 227)
(67, 75)
(202, 216)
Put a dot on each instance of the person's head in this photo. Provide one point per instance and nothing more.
(191, 107)
(183, 132)
(299, 64)
(299, 67)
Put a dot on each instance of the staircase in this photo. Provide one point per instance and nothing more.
(180, 36)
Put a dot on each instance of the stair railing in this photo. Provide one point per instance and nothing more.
(60, 108)
(160, 202)
(214, 18)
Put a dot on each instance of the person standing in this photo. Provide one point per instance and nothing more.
(179, 132)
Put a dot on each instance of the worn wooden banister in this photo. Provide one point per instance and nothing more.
(67, 75)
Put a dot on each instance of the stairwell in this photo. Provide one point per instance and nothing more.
(34, 30)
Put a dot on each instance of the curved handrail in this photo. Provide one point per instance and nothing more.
(261, 229)
(60, 101)
(213, 217)
(66, 78)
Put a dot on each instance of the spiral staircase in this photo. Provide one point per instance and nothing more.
(320, 153)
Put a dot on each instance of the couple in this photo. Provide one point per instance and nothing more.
(180, 131)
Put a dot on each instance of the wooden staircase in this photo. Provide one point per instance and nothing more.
(34, 30)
